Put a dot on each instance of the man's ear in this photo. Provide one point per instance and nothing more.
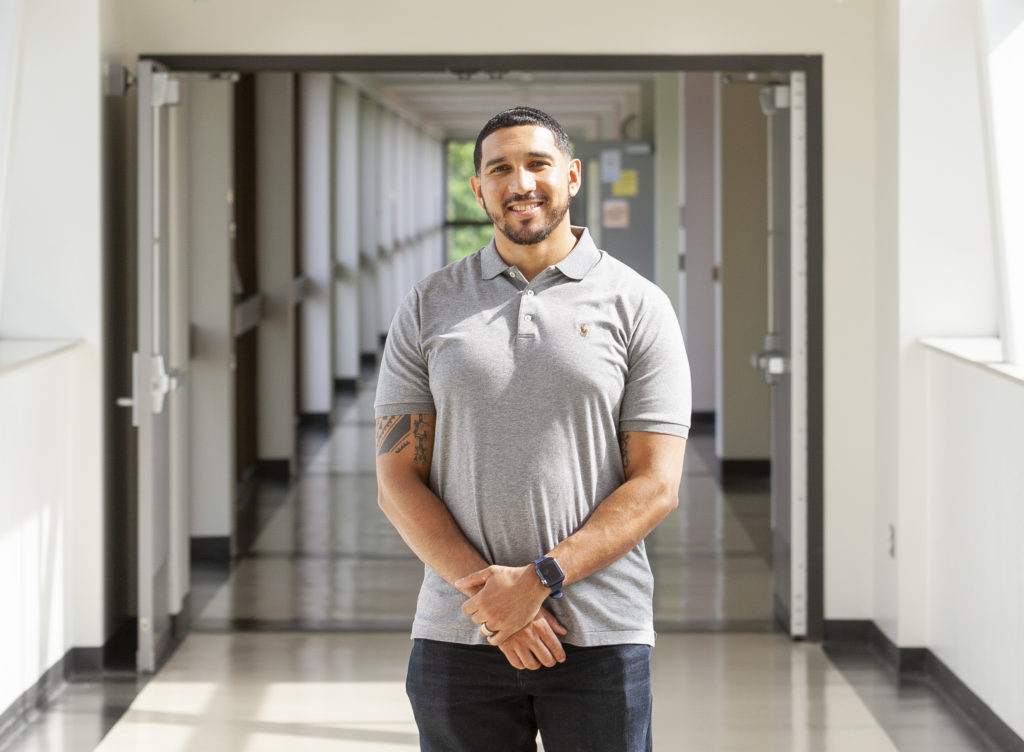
(575, 177)
(474, 183)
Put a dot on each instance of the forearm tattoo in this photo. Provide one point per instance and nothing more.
(419, 431)
(624, 447)
(397, 432)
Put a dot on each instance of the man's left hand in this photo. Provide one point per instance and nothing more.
(508, 599)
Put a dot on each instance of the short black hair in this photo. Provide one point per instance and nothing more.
(521, 115)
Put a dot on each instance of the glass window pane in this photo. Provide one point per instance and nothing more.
(1003, 23)
(461, 203)
(462, 241)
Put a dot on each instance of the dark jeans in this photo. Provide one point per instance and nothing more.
(467, 698)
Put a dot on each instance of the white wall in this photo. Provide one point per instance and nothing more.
(315, 347)
(935, 274)
(699, 216)
(667, 192)
(53, 289)
(211, 386)
(975, 609)
(43, 430)
(346, 196)
(371, 325)
(275, 235)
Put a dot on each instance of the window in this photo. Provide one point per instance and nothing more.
(9, 33)
(466, 225)
(1003, 60)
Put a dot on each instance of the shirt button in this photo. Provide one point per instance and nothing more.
(512, 275)
(528, 317)
(529, 292)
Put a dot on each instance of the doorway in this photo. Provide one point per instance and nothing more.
(407, 264)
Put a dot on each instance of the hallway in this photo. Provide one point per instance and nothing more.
(302, 645)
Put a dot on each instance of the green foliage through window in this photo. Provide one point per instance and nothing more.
(463, 239)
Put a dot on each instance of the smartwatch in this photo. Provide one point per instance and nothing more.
(550, 574)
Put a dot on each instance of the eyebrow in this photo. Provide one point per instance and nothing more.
(534, 154)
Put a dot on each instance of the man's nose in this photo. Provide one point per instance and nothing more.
(523, 181)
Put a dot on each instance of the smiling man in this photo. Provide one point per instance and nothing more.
(532, 413)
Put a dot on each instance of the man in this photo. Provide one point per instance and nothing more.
(532, 412)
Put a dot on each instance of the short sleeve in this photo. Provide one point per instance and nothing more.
(403, 385)
(657, 396)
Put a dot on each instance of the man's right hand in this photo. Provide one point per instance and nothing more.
(536, 644)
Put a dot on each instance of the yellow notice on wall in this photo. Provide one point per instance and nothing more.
(627, 183)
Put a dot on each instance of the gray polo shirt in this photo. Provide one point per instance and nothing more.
(532, 384)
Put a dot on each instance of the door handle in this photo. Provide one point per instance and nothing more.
(163, 382)
(772, 362)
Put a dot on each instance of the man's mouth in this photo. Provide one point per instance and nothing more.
(523, 209)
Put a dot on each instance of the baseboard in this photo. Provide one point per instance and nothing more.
(210, 549)
(32, 699)
(78, 664)
(345, 386)
(921, 661)
(961, 696)
(276, 469)
(119, 650)
(180, 623)
(745, 469)
(702, 422)
(315, 420)
(83, 664)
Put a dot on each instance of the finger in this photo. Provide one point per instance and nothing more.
(512, 658)
(552, 622)
(541, 652)
(476, 579)
(554, 647)
(528, 659)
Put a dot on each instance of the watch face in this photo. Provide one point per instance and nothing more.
(550, 571)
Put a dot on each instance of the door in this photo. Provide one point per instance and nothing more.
(783, 359)
(616, 200)
(153, 378)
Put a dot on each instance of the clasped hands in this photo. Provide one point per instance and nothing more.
(509, 600)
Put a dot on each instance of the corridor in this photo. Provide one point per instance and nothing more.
(302, 645)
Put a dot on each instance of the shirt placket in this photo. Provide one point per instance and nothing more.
(526, 326)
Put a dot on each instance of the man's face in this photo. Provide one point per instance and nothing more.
(525, 182)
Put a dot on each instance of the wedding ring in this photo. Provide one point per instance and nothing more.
(485, 631)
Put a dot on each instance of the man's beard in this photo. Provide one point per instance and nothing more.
(540, 226)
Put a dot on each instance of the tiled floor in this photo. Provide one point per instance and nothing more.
(302, 644)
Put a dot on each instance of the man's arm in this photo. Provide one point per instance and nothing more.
(405, 448)
(653, 464)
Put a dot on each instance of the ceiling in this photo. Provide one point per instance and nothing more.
(589, 105)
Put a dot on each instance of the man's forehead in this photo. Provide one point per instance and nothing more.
(536, 135)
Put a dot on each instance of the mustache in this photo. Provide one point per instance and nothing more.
(520, 197)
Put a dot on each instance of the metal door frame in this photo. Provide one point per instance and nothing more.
(809, 66)
(151, 381)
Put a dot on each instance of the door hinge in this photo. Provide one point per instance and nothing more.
(166, 90)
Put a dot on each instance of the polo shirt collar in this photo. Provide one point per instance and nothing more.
(581, 258)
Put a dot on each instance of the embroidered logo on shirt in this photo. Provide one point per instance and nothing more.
(584, 329)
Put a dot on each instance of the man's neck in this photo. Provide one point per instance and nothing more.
(531, 260)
